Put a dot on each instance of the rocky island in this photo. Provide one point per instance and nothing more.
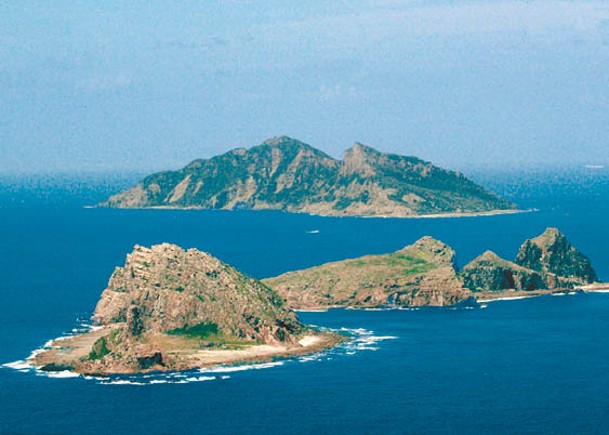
(174, 309)
(289, 175)
(422, 274)
(171, 309)
(425, 274)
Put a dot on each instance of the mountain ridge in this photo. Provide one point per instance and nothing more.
(289, 175)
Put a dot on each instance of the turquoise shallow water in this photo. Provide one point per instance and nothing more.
(521, 366)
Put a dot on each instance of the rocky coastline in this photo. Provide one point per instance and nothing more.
(171, 309)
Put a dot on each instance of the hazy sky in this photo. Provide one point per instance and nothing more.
(104, 86)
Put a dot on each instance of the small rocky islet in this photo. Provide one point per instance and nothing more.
(173, 309)
(425, 274)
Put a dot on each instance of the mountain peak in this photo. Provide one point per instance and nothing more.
(551, 253)
(282, 140)
(360, 147)
(359, 158)
(284, 173)
(439, 251)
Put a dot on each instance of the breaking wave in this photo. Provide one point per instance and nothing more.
(360, 340)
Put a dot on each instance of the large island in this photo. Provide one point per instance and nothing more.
(289, 175)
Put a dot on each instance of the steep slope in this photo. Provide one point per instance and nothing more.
(556, 259)
(489, 272)
(286, 174)
(165, 288)
(171, 309)
(422, 274)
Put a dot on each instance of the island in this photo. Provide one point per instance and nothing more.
(174, 309)
(425, 274)
(288, 175)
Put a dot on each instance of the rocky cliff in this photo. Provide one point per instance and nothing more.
(489, 272)
(286, 174)
(557, 260)
(422, 274)
(171, 309)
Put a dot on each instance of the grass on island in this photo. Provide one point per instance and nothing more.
(210, 333)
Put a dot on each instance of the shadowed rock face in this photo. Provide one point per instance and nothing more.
(165, 288)
(489, 272)
(173, 309)
(422, 274)
(559, 263)
(286, 174)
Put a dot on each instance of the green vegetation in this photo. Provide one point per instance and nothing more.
(99, 350)
(286, 174)
(201, 330)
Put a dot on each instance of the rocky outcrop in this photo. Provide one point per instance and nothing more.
(557, 260)
(422, 274)
(172, 309)
(286, 174)
(165, 288)
(489, 272)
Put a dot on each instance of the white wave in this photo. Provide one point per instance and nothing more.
(62, 374)
(201, 378)
(18, 365)
(225, 377)
(240, 368)
(507, 298)
(122, 382)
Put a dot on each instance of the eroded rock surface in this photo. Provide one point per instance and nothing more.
(422, 274)
(557, 260)
(289, 175)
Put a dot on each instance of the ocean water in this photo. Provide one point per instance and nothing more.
(525, 366)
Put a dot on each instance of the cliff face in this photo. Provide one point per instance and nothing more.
(557, 260)
(489, 272)
(171, 309)
(285, 174)
(166, 289)
(422, 274)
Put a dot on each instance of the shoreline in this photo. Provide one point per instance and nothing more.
(62, 354)
(449, 215)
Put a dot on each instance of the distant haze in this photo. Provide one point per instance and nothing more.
(131, 86)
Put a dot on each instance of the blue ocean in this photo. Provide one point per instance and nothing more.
(537, 365)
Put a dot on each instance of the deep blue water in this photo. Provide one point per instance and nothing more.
(523, 366)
